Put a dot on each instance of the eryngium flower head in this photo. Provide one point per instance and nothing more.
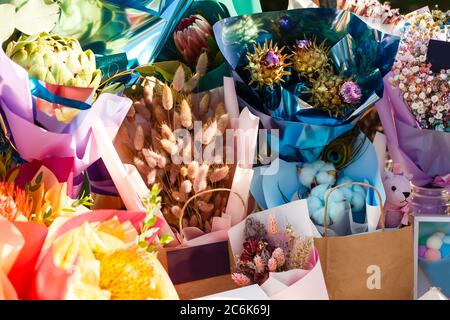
(267, 65)
(55, 60)
(308, 59)
(351, 92)
(191, 37)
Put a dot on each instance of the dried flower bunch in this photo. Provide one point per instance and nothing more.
(382, 12)
(309, 63)
(426, 93)
(149, 138)
(268, 249)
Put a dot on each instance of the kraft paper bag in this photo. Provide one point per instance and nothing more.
(375, 265)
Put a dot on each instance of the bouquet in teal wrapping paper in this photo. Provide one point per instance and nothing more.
(311, 73)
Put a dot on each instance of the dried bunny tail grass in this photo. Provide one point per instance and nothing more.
(200, 183)
(186, 186)
(208, 227)
(192, 83)
(179, 196)
(184, 172)
(142, 109)
(209, 133)
(176, 123)
(219, 174)
(206, 209)
(160, 115)
(147, 92)
(167, 133)
(167, 98)
(300, 253)
(178, 79)
(151, 177)
(220, 109)
(126, 154)
(162, 161)
(169, 146)
(193, 169)
(140, 166)
(193, 221)
(204, 103)
(173, 174)
(131, 112)
(202, 64)
(186, 114)
(151, 157)
(222, 122)
(139, 138)
(176, 211)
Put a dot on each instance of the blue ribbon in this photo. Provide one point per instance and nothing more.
(41, 92)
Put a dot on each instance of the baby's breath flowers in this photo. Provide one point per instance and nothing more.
(426, 93)
(267, 64)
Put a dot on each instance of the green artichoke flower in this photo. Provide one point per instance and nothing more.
(55, 60)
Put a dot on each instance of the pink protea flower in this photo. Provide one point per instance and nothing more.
(351, 92)
(272, 264)
(240, 279)
(259, 264)
(190, 37)
(278, 255)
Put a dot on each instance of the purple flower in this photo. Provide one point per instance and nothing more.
(271, 59)
(303, 44)
(351, 92)
(285, 23)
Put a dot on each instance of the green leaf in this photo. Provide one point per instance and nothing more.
(69, 210)
(142, 244)
(151, 248)
(150, 232)
(150, 220)
(146, 70)
(167, 69)
(36, 16)
(165, 239)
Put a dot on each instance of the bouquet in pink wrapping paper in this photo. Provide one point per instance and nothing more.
(275, 249)
(95, 256)
(415, 107)
(37, 124)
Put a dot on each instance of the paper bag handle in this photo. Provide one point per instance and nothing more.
(180, 221)
(325, 213)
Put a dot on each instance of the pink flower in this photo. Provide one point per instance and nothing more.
(240, 279)
(278, 255)
(190, 37)
(259, 264)
(272, 264)
(272, 226)
(351, 92)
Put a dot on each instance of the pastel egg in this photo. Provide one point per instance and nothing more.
(445, 250)
(446, 239)
(434, 242)
(432, 255)
(422, 250)
(439, 234)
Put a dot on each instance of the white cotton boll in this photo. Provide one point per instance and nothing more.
(317, 217)
(347, 193)
(337, 210)
(328, 167)
(324, 177)
(306, 176)
(314, 204)
(319, 191)
(318, 164)
(358, 201)
(359, 190)
(343, 179)
(336, 196)
(434, 242)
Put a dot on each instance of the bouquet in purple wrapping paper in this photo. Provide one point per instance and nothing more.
(415, 107)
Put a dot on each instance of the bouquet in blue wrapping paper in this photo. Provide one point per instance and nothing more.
(306, 71)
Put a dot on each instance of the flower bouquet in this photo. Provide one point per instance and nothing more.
(415, 108)
(275, 249)
(352, 209)
(310, 73)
